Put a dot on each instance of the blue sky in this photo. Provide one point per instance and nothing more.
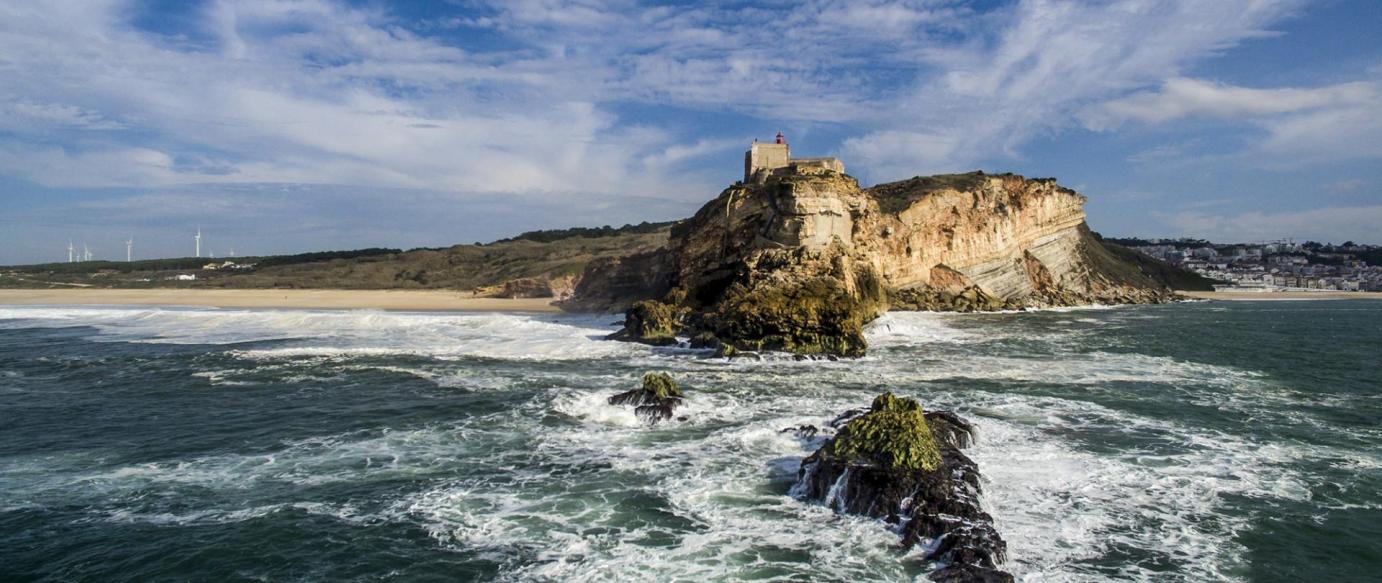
(315, 124)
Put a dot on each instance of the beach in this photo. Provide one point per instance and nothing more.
(1293, 295)
(324, 299)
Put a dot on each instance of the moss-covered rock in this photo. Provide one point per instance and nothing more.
(652, 322)
(660, 386)
(818, 316)
(655, 401)
(892, 435)
(898, 463)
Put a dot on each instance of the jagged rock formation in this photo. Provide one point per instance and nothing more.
(652, 322)
(900, 464)
(655, 401)
(802, 260)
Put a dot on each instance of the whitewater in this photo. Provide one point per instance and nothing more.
(1197, 442)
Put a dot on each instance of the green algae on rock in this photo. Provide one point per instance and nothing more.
(661, 385)
(816, 317)
(651, 322)
(892, 435)
(655, 400)
(900, 464)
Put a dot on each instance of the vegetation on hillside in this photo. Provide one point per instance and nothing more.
(1169, 275)
(550, 235)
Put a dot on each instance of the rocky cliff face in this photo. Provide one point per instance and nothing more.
(803, 260)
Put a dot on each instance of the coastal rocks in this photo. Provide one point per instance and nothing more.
(818, 316)
(803, 259)
(655, 401)
(614, 284)
(901, 464)
(651, 322)
(525, 287)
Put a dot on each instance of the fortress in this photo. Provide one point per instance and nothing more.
(762, 159)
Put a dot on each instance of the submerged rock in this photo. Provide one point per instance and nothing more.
(802, 431)
(655, 400)
(903, 465)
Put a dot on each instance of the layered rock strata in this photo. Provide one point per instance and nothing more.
(802, 260)
(900, 464)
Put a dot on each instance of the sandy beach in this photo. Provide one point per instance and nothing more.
(1259, 296)
(283, 299)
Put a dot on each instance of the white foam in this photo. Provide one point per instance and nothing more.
(550, 481)
(912, 328)
(343, 332)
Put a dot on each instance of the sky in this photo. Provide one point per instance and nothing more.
(303, 125)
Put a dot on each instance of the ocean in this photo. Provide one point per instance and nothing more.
(1235, 441)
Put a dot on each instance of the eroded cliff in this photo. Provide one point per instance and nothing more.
(802, 261)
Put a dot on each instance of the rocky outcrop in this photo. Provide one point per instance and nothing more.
(802, 260)
(900, 464)
(615, 284)
(655, 401)
(651, 322)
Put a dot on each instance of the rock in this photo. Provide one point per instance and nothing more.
(901, 464)
(609, 285)
(816, 316)
(527, 287)
(655, 401)
(893, 434)
(802, 431)
(651, 322)
(803, 259)
(950, 429)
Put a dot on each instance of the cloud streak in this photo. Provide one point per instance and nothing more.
(573, 100)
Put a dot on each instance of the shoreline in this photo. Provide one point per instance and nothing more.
(1247, 296)
(297, 299)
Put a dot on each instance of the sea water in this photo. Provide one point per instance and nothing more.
(1206, 441)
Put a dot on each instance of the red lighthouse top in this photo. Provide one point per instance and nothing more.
(780, 138)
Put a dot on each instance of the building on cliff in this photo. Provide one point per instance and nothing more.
(763, 158)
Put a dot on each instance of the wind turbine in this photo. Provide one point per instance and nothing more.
(199, 240)
(71, 252)
(129, 250)
(86, 252)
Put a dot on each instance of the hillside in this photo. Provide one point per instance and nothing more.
(538, 256)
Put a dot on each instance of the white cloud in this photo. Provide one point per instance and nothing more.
(1300, 125)
(1321, 137)
(25, 116)
(319, 92)
(1181, 97)
(1335, 224)
(306, 91)
(1046, 62)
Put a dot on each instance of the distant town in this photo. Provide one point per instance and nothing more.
(1284, 265)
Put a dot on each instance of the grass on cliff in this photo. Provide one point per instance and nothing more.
(895, 197)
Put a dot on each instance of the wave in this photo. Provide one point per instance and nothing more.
(342, 332)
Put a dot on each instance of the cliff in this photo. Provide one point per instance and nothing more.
(802, 260)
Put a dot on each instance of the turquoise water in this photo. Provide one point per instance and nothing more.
(1224, 441)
